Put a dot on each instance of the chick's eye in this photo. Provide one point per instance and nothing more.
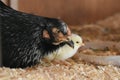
(77, 42)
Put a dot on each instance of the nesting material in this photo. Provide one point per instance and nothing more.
(107, 30)
(73, 71)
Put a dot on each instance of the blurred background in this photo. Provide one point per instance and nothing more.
(96, 21)
(73, 12)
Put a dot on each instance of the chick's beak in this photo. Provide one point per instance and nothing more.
(70, 43)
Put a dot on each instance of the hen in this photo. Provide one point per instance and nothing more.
(26, 38)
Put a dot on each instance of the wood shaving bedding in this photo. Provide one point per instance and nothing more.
(76, 69)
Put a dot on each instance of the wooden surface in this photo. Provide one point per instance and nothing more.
(74, 12)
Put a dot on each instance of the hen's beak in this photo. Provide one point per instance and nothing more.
(70, 43)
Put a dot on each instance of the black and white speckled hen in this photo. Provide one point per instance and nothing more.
(26, 38)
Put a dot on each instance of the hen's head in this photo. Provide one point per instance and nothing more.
(56, 32)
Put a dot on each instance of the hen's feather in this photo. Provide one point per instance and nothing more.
(23, 44)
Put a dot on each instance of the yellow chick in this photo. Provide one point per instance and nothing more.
(66, 51)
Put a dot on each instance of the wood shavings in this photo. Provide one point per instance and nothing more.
(74, 68)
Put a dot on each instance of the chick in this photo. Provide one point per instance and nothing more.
(66, 51)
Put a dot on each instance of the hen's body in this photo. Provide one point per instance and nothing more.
(23, 44)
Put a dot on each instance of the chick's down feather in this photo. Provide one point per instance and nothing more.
(66, 51)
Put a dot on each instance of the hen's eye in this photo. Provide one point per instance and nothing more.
(58, 31)
(77, 42)
(55, 30)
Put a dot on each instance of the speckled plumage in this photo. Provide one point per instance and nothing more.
(23, 44)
